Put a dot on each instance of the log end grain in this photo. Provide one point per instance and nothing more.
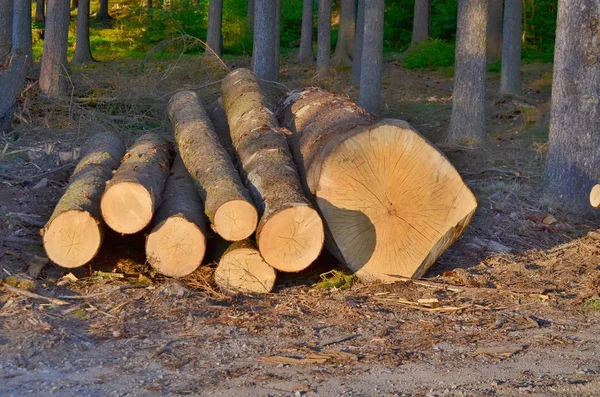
(235, 220)
(595, 196)
(127, 207)
(243, 270)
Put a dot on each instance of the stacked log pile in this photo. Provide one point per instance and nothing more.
(274, 184)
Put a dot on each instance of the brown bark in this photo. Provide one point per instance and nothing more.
(83, 53)
(53, 74)
(227, 203)
(12, 81)
(391, 201)
(345, 42)
(494, 29)
(6, 17)
(177, 243)
(74, 233)
(290, 231)
(133, 194)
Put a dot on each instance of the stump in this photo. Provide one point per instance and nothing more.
(393, 203)
(74, 233)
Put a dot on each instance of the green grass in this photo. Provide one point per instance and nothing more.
(336, 279)
(432, 54)
(593, 304)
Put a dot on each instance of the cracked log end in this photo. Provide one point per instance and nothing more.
(127, 207)
(235, 220)
(243, 270)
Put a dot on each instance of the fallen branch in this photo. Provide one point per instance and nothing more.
(28, 294)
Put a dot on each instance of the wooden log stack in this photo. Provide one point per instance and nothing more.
(275, 184)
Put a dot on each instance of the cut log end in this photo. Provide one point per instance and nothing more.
(127, 207)
(595, 196)
(392, 202)
(292, 239)
(72, 239)
(235, 220)
(175, 247)
(243, 270)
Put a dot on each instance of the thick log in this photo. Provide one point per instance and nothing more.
(290, 231)
(133, 194)
(177, 243)
(392, 202)
(242, 269)
(226, 201)
(595, 196)
(74, 233)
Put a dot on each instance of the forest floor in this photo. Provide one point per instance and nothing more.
(519, 310)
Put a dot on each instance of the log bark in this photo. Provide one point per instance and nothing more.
(290, 232)
(133, 194)
(324, 35)
(83, 53)
(177, 243)
(53, 74)
(305, 54)
(369, 94)
(227, 203)
(21, 29)
(392, 202)
(74, 233)
(510, 76)
(12, 81)
(6, 17)
(242, 269)
(358, 42)
(345, 43)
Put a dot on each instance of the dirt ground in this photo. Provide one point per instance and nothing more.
(517, 309)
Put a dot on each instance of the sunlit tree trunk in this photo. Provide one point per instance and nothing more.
(421, 22)
(83, 53)
(510, 78)
(21, 32)
(358, 41)
(39, 11)
(467, 123)
(369, 95)
(306, 37)
(53, 74)
(6, 16)
(264, 63)
(215, 24)
(103, 11)
(494, 29)
(345, 43)
(324, 35)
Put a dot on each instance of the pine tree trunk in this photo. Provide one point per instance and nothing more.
(510, 77)
(573, 159)
(21, 35)
(74, 233)
(250, 16)
(324, 35)
(6, 17)
(103, 14)
(345, 43)
(53, 74)
(39, 11)
(369, 95)
(177, 243)
(264, 63)
(358, 41)
(83, 53)
(214, 32)
(290, 232)
(277, 47)
(494, 29)
(467, 123)
(391, 201)
(227, 203)
(305, 54)
(133, 194)
(421, 22)
(12, 81)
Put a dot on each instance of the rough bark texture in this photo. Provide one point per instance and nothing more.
(467, 123)
(6, 17)
(133, 194)
(421, 22)
(358, 41)
(83, 53)
(369, 95)
(39, 11)
(510, 76)
(324, 35)
(177, 243)
(216, 178)
(53, 74)
(21, 35)
(494, 29)
(264, 63)
(215, 24)
(70, 243)
(290, 232)
(345, 42)
(306, 36)
(103, 11)
(391, 201)
(573, 159)
(12, 81)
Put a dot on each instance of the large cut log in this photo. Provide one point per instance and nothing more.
(226, 201)
(242, 269)
(133, 194)
(176, 245)
(595, 196)
(12, 81)
(392, 202)
(290, 231)
(74, 233)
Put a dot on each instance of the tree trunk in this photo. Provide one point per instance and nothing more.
(264, 63)
(6, 17)
(21, 35)
(133, 194)
(241, 269)
(250, 16)
(345, 42)
(358, 41)
(39, 11)
(290, 232)
(392, 202)
(510, 79)
(83, 53)
(324, 35)
(369, 95)
(103, 14)
(573, 159)
(214, 32)
(177, 243)
(53, 74)
(12, 81)
(277, 47)
(467, 123)
(74, 233)
(227, 203)
(306, 37)
(494, 29)
(421, 22)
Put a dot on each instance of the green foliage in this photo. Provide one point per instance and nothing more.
(430, 54)
(494, 67)
(539, 28)
(337, 279)
(397, 24)
(443, 19)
